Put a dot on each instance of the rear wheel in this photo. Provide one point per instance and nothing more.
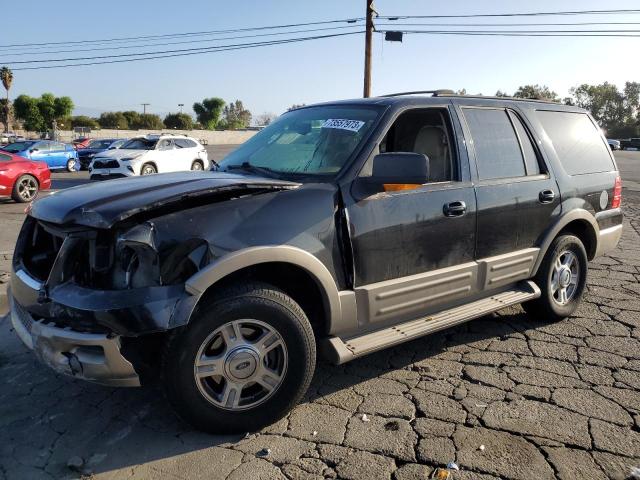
(71, 164)
(25, 189)
(562, 277)
(148, 169)
(245, 359)
(197, 165)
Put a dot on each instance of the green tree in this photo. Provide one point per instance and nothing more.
(6, 113)
(84, 121)
(132, 117)
(605, 102)
(6, 75)
(500, 93)
(63, 106)
(208, 112)
(236, 116)
(148, 121)
(299, 105)
(540, 92)
(27, 109)
(181, 121)
(265, 119)
(113, 120)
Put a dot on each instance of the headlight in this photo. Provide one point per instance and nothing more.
(127, 159)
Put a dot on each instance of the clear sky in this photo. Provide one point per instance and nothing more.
(269, 79)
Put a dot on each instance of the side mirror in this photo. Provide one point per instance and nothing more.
(34, 150)
(398, 171)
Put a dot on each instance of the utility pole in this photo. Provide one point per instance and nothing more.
(181, 105)
(144, 108)
(367, 49)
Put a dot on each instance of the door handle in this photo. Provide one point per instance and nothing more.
(454, 209)
(546, 196)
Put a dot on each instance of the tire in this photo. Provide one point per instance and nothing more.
(204, 403)
(25, 189)
(71, 165)
(197, 165)
(148, 169)
(552, 306)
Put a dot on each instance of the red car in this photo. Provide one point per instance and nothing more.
(81, 142)
(22, 179)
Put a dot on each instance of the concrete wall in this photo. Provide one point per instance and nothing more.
(210, 137)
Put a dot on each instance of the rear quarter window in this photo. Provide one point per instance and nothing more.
(577, 141)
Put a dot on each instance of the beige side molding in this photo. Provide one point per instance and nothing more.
(577, 214)
(232, 262)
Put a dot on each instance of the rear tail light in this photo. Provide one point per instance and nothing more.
(617, 193)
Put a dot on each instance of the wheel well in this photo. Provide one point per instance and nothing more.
(199, 160)
(292, 280)
(584, 231)
(150, 162)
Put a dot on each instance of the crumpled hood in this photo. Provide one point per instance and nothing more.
(102, 204)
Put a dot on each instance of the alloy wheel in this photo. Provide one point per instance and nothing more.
(28, 189)
(241, 364)
(564, 277)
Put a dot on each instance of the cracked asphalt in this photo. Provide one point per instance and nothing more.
(505, 397)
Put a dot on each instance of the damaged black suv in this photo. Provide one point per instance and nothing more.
(344, 227)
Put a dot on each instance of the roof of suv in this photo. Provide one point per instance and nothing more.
(158, 136)
(417, 98)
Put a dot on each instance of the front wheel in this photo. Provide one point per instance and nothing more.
(245, 359)
(562, 277)
(148, 169)
(197, 165)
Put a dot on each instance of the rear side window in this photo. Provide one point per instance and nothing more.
(5, 158)
(498, 153)
(530, 157)
(184, 143)
(577, 142)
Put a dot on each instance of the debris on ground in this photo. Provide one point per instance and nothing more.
(481, 448)
(265, 452)
(75, 463)
(453, 466)
(441, 474)
(315, 432)
(635, 473)
(365, 418)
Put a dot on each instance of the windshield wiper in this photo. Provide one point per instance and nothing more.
(246, 166)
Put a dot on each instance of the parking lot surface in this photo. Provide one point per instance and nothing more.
(506, 396)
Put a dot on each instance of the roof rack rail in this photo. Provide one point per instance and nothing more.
(435, 93)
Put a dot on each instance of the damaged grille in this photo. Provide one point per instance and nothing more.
(105, 164)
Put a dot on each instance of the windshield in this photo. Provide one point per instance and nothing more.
(99, 143)
(309, 141)
(18, 146)
(139, 144)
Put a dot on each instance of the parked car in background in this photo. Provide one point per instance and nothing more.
(22, 179)
(56, 155)
(630, 143)
(613, 144)
(86, 154)
(150, 154)
(81, 142)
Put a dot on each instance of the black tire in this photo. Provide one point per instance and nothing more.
(548, 307)
(28, 182)
(197, 165)
(148, 169)
(71, 165)
(258, 301)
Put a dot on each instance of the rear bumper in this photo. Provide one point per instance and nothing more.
(89, 356)
(608, 239)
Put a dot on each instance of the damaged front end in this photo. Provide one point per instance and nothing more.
(94, 301)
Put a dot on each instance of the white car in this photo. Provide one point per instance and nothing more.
(150, 154)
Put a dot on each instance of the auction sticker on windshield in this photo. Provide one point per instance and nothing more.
(343, 124)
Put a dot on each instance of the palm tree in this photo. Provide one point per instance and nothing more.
(7, 78)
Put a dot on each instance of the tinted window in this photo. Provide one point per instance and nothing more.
(18, 146)
(43, 146)
(139, 144)
(184, 143)
(577, 142)
(497, 149)
(530, 157)
(4, 157)
(56, 147)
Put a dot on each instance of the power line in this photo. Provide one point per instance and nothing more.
(211, 50)
(536, 24)
(170, 35)
(121, 47)
(515, 33)
(520, 14)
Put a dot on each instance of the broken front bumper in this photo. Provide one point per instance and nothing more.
(89, 356)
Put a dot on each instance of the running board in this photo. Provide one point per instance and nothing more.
(340, 350)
